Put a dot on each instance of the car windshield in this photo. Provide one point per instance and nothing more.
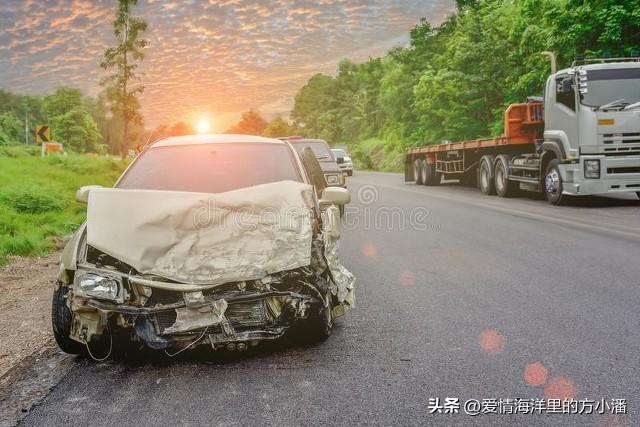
(338, 152)
(210, 168)
(605, 86)
(319, 148)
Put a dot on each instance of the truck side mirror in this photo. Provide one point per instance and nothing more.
(340, 160)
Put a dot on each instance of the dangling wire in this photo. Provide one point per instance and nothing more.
(189, 346)
(110, 347)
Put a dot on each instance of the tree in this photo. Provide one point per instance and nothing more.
(251, 123)
(278, 127)
(63, 100)
(77, 130)
(123, 60)
(11, 129)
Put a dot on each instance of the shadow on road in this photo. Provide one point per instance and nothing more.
(288, 345)
(622, 200)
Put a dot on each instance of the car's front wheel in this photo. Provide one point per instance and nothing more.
(61, 322)
(320, 322)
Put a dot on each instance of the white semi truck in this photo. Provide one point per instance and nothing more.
(581, 138)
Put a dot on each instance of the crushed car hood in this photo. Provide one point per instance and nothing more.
(198, 238)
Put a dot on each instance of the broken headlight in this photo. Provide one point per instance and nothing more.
(99, 286)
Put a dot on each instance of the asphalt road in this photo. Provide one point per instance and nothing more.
(459, 295)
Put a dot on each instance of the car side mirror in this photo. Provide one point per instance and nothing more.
(340, 160)
(335, 196)
(82, 195)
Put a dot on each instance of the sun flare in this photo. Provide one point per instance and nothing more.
(203, 126)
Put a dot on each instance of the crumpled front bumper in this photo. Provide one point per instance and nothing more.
(239, 320)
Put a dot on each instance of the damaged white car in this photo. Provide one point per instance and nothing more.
(217, 240)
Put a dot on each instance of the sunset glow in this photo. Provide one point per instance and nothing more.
(203, 126)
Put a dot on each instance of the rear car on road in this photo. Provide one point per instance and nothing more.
(332, 172)
(218, 240)
(343, 159)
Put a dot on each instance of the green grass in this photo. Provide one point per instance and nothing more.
(37, 196)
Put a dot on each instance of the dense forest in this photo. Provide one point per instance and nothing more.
(454, 80)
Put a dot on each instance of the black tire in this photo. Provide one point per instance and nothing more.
(350, 173)
(417, 171)
(504, 187)
(431, 176)
(553, 184)
(486, 184)
(320, 322)
(61, 322)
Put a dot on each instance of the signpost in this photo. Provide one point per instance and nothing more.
(43, 137)
(43, 134)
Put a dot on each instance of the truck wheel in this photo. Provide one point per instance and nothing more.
(504, 187)
(61, 322)
(431, 176)
(553, 183)
(417, 171)
(486, 182)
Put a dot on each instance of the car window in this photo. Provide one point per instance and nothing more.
(337, 152)
(319, 148)
(211, 168)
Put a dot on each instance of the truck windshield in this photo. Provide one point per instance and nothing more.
(605, 86)
(210, 168)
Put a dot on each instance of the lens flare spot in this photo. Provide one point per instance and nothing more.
(407, 279)
(535, 374)
(491, 341)
(560, 388)
(369, 250)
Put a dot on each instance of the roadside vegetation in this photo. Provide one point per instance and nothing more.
(454, 81)
(37, 196)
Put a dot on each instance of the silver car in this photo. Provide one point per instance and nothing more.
(343, 159)
(216, 240)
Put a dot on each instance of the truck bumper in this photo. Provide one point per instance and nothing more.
(617, 175)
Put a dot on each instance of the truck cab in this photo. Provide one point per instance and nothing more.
(592, 128)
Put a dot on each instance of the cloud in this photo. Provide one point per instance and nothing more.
(219, 56)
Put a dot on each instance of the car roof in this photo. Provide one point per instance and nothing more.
(214, 139)
(296, 140)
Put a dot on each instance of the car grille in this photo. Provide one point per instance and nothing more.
(621, 138)
(242, 316)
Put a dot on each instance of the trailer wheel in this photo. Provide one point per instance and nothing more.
(417, 171)
(486, 180)
(431, 176)
(553, 183)
(504, 187)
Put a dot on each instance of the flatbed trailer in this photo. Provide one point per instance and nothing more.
(523, 124)
(581, 138)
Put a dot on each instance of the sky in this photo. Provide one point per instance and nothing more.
(206, 60)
